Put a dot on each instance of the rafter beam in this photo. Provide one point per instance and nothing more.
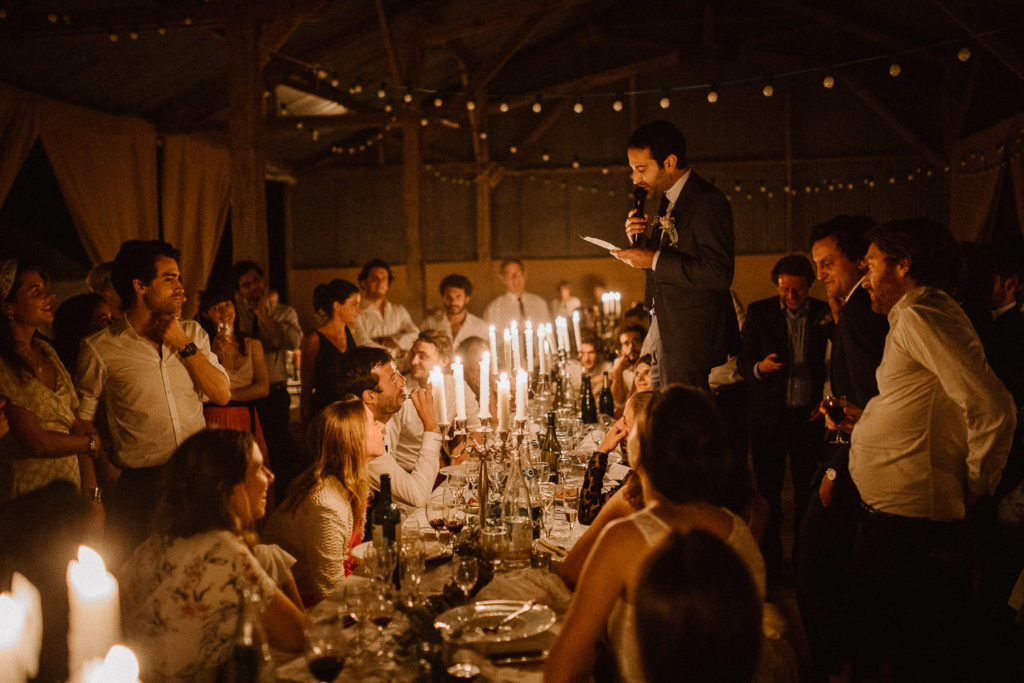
(307, 82)
(515, 42)
(486, 21)
(389, 44)
(902, 129)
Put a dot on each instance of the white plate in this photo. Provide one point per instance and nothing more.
(432, 550)
(467, 621)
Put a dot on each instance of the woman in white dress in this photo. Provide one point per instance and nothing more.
(679, 453)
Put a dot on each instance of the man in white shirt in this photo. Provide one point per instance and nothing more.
(369, 372)
(631, 340)
(432, 349)
(152, 371)
(516, 303)
(455, 320)
(591, 362)
(932, 442)
(383, 321)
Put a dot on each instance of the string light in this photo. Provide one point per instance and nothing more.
(895, 69)
(470, 105)
(424, 122)
(133, 33)
(963, 54)
(578, 107)
(828, 82)
(513, 150)
(335, 80)
(768, 90)
(112, 36)
(575, 162)
(503, 107)
(712, 95)
(438, 101)
(664, 102)
(545, 156)
(382, 91)
(617, 104)
(537, 106)
(388, 106)
(407, 97)
(357, 87)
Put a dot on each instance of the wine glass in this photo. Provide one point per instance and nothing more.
(465, 572)
(835, 406)
(355, 597)
(324, 650)
(435, 514)
(413, 566)
(571, 504)
(566, 465)
(380, 561)
(547, 500)
(542, 471)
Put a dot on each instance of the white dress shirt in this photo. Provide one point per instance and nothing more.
(151, 400)
(409, 490)
(394, 322)
(505, 309)
(472, 326)
(942, 423)
(405, 429)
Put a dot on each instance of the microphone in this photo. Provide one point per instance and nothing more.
(639, 197)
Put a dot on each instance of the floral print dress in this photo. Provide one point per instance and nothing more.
(180, 600)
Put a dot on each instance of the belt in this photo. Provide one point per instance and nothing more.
(274, 386)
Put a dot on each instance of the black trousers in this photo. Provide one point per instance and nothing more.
(912, 598)
(823, 587)
(286, 460)
(799, 440)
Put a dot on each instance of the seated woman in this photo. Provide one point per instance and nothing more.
(242, 358)
(321, 519)
(338, 302)
(693, 584)
(47, 440)
(181, 589)
(678, 451)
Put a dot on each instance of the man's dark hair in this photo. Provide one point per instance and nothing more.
(510, 261)
(364, 272)
(933, 252)
(455, 280)
(136, 260)
(631, 328)
(848, 232)
(1009, 258)
(353, 374)
(244, 268)
(590, 337)
(662, 138)
(797, 265)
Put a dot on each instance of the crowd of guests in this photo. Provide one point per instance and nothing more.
(907, 503)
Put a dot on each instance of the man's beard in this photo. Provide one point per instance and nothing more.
(453, 310)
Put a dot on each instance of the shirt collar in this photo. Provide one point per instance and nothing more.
(999, 311)
(798, 312)
(672, 193)
(854, 288)
(907, 300)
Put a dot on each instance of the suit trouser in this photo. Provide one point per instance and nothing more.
(912, 597)
(822, 577)
(800, 440)
(660, 376)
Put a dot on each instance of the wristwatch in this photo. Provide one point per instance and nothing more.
(831, 473)
(189, 350)
(94, 494)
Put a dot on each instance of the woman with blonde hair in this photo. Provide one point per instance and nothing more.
(321, 519)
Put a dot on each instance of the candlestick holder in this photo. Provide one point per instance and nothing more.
(460, 428)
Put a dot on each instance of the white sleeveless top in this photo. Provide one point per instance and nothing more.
(621, 627)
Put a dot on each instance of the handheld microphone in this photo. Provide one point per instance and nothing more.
(639, 197)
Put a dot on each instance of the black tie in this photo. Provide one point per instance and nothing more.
(663, 207)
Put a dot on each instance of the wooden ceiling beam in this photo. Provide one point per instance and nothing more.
(902, 129)
(309, 83)
(397, 73)
(492, 19)
(515, 42)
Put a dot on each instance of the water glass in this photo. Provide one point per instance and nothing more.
(547, 501)
(566, 467)
(571, 504)
(465, 573)
(380, 561)
(494, 542)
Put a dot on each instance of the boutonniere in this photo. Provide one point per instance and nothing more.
(668, 225)
(824, 319)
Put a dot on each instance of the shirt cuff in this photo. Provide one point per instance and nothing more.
(654, 263)
(757, 375)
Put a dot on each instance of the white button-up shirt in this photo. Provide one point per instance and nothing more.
(505, 309)
(942, 423)
(394, 322)
(151, 400)
(472, 326)
(405, 429)
(409, 490)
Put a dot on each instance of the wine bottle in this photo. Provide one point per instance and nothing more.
(246, 658)
(550, 451)
(588, 407)
(385, 518)
(605, 402)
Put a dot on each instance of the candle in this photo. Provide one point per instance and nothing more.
(494, 352)
(460, 389)
(21, 631)
(437, 390)
(94, 611)
(516, 357)
(504, 389)
(485, 386)
(576, 328)
(544, 357)
(605, 304)
(528, 338)
(119, 666)
(508, 349)
(540, 348)
(618, 304)
(521, 394)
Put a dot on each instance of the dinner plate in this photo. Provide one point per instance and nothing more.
(467, 622)
(431, 550)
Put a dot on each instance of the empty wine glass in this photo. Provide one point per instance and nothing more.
(566, 465)
(494, 543)
(380, 561)
(571, 504)
(465, 572)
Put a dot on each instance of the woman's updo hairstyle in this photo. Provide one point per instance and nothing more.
(325, 295)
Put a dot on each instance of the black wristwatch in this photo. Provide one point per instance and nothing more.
(189, 350)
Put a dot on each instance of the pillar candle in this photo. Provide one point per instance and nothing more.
(521, 394)
(494, 351)
(119, 666)
(94, 611)
(437, 390)
(528, 338)
(540, 349)
(460, 389)
(508, 349)
(576, 329)
(485, 385)
(516, 357)
(21, 631)
(544, 357)
(504, 389)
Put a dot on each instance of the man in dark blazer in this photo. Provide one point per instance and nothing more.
(783, 361)
(687, 256)
(829, 523)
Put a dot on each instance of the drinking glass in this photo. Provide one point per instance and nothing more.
(547, 501)
(465, 572)
(412, 568)
(494, 542)
(324, 650)
(566, 466)
(435, 514)
(380, 561)
(454, 513)
(571, 504)
(542, 470)
(835, 406)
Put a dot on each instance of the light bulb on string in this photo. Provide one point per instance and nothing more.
(470, 105)
(963, 54)
(537, 106)
(513, 150)
(545, 156)
(133, 33)
(382, 91)
(768, 90)
(162, 30)
(828, 82)
(712, 95)
(575, 162)
(335, 80)
(578, 107)
(357, 87)
(438, 102)
(617, 104)
(895, 69)
(424, 122)
(52, 17)
(483, 135)
(664, 102)
(503, 107)
(407, 96)
(388, 106)
(112, 36)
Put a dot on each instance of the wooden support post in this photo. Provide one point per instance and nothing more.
(412, 182)
(245, 114)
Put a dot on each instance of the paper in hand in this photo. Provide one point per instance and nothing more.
(601, 243)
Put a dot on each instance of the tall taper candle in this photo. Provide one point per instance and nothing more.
(460, 389)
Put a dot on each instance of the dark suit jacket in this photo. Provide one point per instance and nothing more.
(690, 287)
(857, 346)
(764, 333)
(1007, 357)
